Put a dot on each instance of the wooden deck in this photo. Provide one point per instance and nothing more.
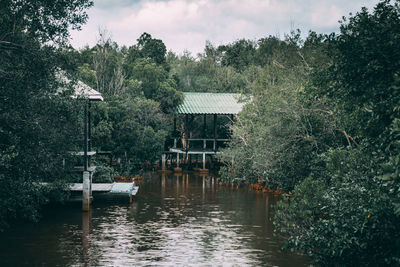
(193, 151)
(116, 188)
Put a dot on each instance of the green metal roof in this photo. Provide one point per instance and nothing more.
(210, 103)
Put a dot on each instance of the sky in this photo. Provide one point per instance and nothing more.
(186, 25)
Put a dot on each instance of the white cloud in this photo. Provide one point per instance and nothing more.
(187, 24)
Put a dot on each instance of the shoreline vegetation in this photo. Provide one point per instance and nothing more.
(323, 123)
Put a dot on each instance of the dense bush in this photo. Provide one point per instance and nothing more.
(346, 212)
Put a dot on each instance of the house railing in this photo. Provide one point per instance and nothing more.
(199, 143)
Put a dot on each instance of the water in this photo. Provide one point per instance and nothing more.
(184, 220)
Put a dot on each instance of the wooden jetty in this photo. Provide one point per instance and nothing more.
(129, 189)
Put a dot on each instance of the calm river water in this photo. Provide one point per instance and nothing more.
(184, 220)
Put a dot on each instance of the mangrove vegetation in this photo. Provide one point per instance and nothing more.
(323, 122)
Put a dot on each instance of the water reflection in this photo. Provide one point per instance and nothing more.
(85, 236)
(176, 219)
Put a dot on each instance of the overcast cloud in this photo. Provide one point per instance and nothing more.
(187, 24)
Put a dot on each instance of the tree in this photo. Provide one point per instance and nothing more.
(107, 64)
(239, 55)
(347, 211)
(132, 128)
(360, 82)
(36, 125)
(152, 48)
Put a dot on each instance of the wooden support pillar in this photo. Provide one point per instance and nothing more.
(163, 157)
(85, 138)
(86, 191)
(86, 176)
(177, 169)
(90, 187)
(186, 131)
(204, 170)
(174, 133)
(204, 126)
(231, 128)
(215, 132)
(89, 128)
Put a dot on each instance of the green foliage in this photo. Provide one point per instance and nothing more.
(239, 55)
(104, 172)
(344, 215)
(361, 79)
(132, 128)
(40, 19)
(280, 130)
(152, 48)
(205, 74)
(36, 125)
(347, 211)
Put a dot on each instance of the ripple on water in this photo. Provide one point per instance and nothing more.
(175, 223)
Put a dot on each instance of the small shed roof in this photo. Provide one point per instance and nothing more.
(80, 89)
(210, 103)
(85, 91)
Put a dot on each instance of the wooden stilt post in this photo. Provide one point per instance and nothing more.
(204, 125)
(204, 170)
(86, 183)
(215, 132)
(177, 169)
(174, 135)
(231, 128)
(85, 138)
(86, 191)
(186, 131)
(163, 157)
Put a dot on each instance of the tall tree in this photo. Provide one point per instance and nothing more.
(347, 212)
(35, 123)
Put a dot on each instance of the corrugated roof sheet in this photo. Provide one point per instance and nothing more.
(80, 89)
(85, 91)
(210, 103)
